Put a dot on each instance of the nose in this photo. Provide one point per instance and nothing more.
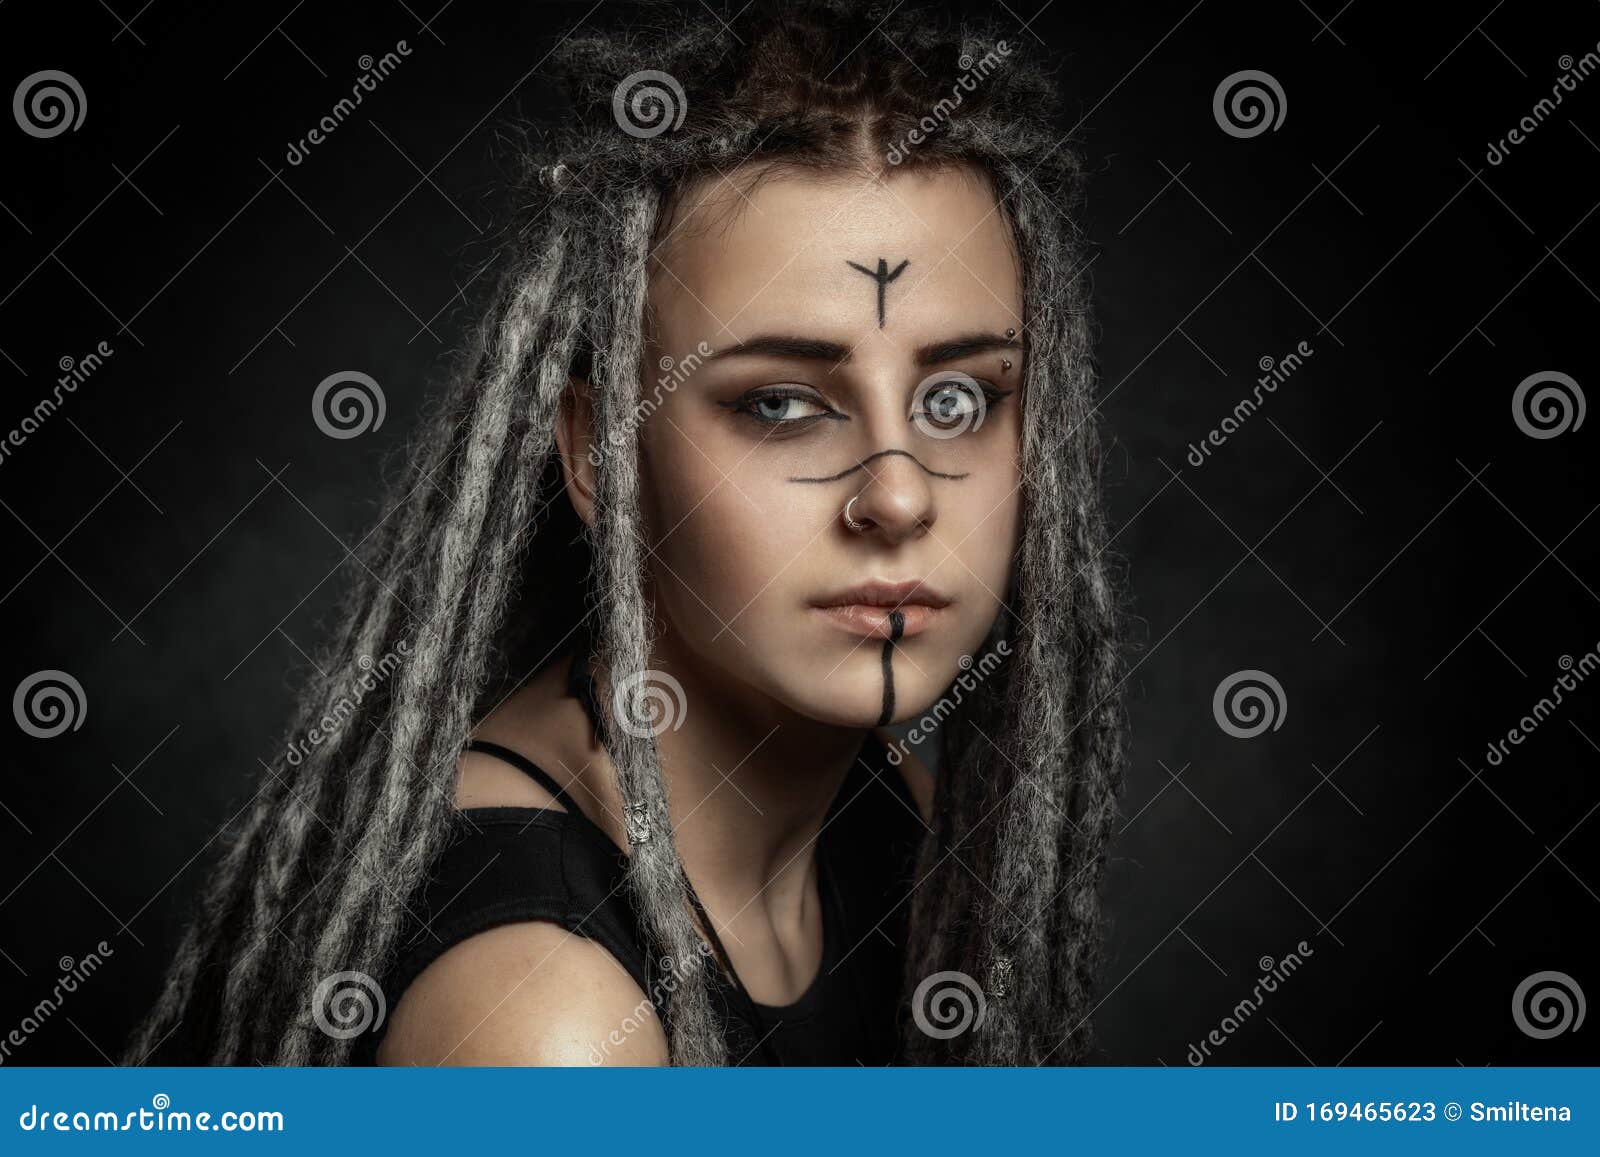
(895, 498)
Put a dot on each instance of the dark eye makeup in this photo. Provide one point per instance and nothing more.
(778, 408)
(787, 410)
(993, 396)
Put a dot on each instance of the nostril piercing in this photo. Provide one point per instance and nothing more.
(858, 527)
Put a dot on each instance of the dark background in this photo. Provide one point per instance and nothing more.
(1381, 537)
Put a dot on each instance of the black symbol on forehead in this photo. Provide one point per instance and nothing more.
(882, 276)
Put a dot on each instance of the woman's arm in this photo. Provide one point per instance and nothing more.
(524, 994)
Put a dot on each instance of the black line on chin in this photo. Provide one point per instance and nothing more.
(897, 627)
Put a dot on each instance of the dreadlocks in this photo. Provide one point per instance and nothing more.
(337, 843)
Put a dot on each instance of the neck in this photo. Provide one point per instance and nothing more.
(749, 785)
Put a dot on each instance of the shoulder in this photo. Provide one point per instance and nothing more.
(530, 993)
(530, 722)
(918, 779)
(548, 728)
(484, 780)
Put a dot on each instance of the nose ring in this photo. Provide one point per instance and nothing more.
(858, 527)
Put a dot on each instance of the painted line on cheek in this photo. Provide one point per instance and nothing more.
(897, 626)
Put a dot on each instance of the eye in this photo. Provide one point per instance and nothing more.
(783, 407)
(954, 404)
(951, 404)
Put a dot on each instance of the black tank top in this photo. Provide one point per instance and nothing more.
(505, 865)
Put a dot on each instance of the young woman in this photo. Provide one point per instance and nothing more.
(778, 432)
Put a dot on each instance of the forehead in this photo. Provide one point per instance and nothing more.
(733, 264)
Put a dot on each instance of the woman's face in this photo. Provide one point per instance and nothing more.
(865, 349)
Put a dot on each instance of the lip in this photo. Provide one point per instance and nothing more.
(864, 609)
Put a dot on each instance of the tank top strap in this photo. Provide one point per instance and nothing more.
(545, 780)
(523, 764)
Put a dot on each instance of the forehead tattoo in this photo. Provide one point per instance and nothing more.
(882, 276)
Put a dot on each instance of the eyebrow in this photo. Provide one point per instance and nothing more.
(816, 349)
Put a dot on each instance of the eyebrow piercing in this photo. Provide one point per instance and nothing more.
(1005, 363)
(1011, 333)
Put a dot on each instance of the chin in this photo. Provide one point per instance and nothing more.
(853, 696)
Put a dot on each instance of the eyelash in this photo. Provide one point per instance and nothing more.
(745, 404)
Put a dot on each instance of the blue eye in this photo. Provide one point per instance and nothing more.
(780, 407)
(950, 404)
(784, 409)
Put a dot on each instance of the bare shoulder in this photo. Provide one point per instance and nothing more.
(916, 774)
(541, 723)
(524, 994)
(486, 781)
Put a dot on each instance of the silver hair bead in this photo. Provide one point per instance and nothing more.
(637, 818)
(556, 176)
(1000, 976)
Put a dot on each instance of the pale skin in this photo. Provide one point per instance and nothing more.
(746, 465)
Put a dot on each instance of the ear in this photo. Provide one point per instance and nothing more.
(576, 445)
